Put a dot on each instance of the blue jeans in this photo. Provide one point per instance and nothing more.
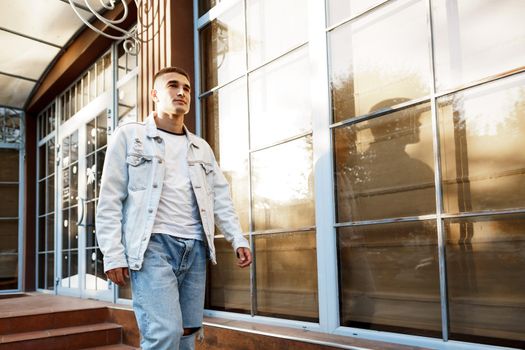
(168, 292)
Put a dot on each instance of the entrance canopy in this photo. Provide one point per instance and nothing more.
(33, 33)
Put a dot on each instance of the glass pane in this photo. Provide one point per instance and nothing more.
(102, 280)
(74, 269)
(66, 160)
(9, 202)
(42, 197)
(8, 236)
(379, 57)
(50, 233)
(90, 224)
(275, 112)
(10, 125)
(482, 145)
(226, 126)
(65, 229)
(286, 273)
(339, 10)
(384, 166)
(476, 39)
(73, 228)
(10, 168)
(389, 277)
(51, 157)
(102, 130)
(127, 102)
(101, 154)
(41, 271)
(74, 147)
(50, 194)
(42, 162)
(91, 176)
(41, 234)
(121, 61)
(272, 30)
(108, 73)
(223, 48)
(85, 90)
(100, 77)
(73, 197)
(8, 254)
(282, 186)
(228, 285)
(91, 136)
(65, 269)
(486, 288)
(50, 283)
(91, 258)
(65, 188)
(92, 83)
(206, 5)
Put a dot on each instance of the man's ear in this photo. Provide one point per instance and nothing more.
(153, 95)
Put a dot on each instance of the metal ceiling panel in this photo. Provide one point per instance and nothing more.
(14, 91)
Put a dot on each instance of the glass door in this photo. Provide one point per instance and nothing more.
(82, 148)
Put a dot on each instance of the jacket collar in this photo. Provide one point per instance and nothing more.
(151, 130)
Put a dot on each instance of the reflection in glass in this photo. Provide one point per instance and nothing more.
(389, 277)
(50, 156)
(91, 136)
(41, 271)
(378, 57)
(73, 148)
(90, 224)
(476, 39)
(339, 10)
(90, 269)
(42, 162)
(8, 236)
(282, 186)
(222, 46)
(50, 233)
(384, 166)
(73, 228)
(228, 286)
(10, 168)
(477, 176)
(275, 114)
(102, 130)
(486, 288)
(9, 202)
(42, 234)
(50, 194)
(286, 273)
(225, 114)
(50, 276)
(205, 6)
(127, 102)
(272, 30)
(42, 197)
(91, 176)
(101, 154)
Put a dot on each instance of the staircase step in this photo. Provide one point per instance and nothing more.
(113, 347)
(67, 338)
(51, 320)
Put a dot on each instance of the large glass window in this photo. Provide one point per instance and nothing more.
(379, 57)
(261, 136)
(429, 186)
(46, 199)
(11, 141)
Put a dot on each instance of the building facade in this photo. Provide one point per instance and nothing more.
(374, 151)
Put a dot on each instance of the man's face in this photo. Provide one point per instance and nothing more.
(172, 94)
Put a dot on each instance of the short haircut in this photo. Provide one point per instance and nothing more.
(167, 70)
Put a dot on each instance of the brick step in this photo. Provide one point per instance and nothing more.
(51, 320)
(113, 347)
(67, 338)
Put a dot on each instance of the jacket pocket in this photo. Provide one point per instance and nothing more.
(208, 174)
(139, 169)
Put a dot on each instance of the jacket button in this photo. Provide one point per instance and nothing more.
(155, 185)
(160, 161)
(159, 140)
(150, 211)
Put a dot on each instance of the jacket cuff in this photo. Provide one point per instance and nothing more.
(240, 242)
(114, 262)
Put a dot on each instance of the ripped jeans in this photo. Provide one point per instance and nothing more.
(168, 292)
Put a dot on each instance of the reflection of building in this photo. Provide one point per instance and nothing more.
(386, 220)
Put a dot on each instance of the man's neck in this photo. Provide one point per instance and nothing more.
(170, 122)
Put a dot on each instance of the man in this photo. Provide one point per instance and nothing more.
(162, 194)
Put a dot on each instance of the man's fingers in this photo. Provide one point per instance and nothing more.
(117, 275)
(245, 257)
(126, 273)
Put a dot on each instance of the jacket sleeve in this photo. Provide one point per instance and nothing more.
(224, 213)
(112, 194)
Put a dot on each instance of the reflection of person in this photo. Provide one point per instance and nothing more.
(378, 179)
(162, 191)
(382, 180)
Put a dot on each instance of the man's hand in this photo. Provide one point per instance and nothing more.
(244, 256)
(118, 275)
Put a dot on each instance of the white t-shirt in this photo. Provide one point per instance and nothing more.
(178, 212)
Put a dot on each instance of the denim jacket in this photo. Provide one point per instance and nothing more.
(129, 196)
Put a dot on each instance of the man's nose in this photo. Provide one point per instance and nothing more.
(180, 92)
